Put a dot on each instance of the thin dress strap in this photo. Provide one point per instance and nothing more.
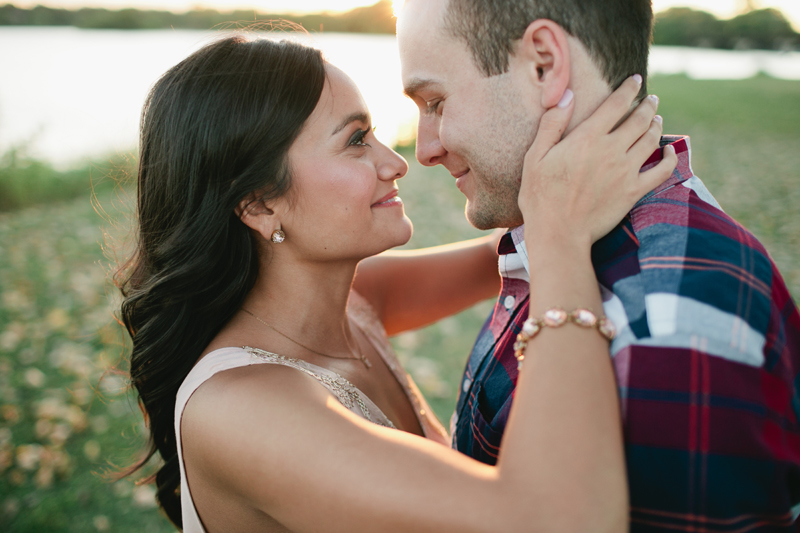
(347, 394)
(230, 358)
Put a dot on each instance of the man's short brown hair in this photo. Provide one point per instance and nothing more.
(617, 33)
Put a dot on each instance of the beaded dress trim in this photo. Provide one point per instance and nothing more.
(347, 394)
(344, 391)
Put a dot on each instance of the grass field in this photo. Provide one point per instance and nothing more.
(66, 420)
(26, 181)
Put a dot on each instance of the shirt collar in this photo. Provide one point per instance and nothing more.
(514, 241)
(506, 245)
(681, 173)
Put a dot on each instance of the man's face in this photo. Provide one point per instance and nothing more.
(478, 128)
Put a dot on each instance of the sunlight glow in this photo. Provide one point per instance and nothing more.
(720, 8)
(397, 5)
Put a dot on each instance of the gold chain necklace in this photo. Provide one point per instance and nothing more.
(360, 357)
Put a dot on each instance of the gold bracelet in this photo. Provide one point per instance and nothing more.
(556, 317)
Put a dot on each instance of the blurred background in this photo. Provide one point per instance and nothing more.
(73, 77)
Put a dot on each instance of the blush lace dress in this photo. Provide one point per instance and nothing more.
(353, 399)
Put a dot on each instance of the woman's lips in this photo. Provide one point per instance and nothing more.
(394, 200)
(389, 200)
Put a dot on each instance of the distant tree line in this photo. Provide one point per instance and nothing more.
(765, 29)
(377, 18)
(762, 29)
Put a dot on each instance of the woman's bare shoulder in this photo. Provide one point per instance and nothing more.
(248, 421)
(246, 393)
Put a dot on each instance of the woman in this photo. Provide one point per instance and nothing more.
(271, 392)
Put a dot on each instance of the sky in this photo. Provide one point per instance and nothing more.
(721, 8)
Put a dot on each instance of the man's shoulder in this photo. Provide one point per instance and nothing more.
(689, 274)
(687, 245)
(686, 209)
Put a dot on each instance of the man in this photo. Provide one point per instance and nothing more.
(708, 347)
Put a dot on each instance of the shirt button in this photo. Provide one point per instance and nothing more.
(467, 383)
(422, 412)
(509, 302)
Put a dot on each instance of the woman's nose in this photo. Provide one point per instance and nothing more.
(393, 167)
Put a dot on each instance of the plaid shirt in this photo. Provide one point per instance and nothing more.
(707, 360)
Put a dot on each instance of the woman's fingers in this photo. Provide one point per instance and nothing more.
(647, 143)
(657, 175)
(615, 106)
(638, 123)
(551, 127)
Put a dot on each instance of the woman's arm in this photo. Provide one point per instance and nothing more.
(282, 445)
(411, 289)
(279, 443)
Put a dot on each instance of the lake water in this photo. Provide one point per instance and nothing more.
(67, 93)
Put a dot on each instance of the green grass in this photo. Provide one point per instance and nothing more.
(58, 337)
(745, 138)
(26, 181)
(66, 419)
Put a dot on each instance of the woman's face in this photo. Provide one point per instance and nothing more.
(344, 202)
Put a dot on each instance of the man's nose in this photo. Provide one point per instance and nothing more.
(429, 149)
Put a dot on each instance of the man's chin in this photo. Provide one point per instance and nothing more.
(486, 219)
(480, 223)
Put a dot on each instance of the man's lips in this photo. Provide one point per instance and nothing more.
(389, 199)
(460, 178)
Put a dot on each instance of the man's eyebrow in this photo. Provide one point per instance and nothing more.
(355, 117)
(413, 87)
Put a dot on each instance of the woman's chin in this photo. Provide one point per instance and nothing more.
(400, 235)
(407, 232)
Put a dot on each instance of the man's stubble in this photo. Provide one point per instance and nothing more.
(496, 162)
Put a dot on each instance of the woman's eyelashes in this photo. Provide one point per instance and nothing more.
(358, 137)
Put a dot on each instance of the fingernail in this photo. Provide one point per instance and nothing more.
(654, 98)
(566, 99)
(659, 119)
(669, 148)
(638, 78)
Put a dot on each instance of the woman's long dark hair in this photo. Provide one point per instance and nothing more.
(215, 129)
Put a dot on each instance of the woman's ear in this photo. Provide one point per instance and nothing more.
(545, 48)
(256, 215)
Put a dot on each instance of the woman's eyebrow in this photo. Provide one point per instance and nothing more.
(355, 117)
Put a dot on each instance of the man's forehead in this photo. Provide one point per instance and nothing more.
(421, 10)
(424, 45)
(421, 22)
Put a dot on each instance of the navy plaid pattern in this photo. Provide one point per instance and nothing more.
(707, 360)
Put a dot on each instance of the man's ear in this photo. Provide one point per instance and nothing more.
(256, 215)
(545, 49)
